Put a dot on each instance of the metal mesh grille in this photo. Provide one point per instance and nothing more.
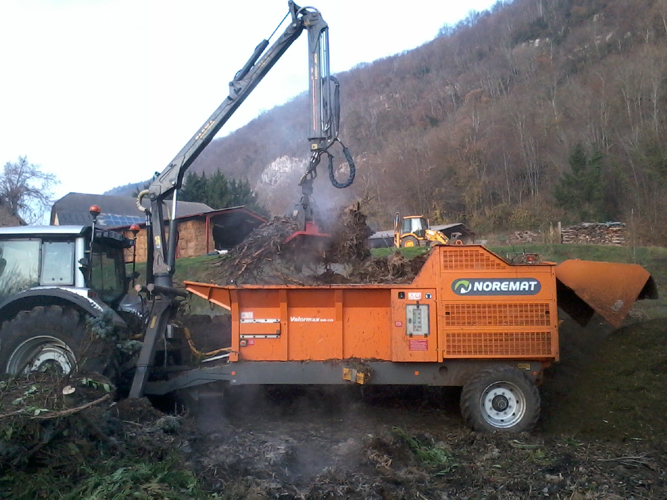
(498, 344)
(481, 314)
(470, 258)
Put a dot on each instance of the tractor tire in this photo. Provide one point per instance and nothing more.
(501, 399)
(409, 242)
(52, 338)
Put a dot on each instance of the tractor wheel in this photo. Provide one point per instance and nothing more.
(502, 398)
(44, 339)
(409, 242)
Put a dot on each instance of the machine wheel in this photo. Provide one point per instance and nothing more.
(409, 242)
(502, 398)
(44, 339)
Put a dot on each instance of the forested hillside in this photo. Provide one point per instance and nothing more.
(534, 112)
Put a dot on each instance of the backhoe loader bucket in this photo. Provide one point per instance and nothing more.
(610, 289)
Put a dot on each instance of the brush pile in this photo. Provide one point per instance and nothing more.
(342, 256)
(65, 427)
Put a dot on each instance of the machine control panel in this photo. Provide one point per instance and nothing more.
(417, 316)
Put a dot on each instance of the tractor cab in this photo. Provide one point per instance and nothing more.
(63, 257)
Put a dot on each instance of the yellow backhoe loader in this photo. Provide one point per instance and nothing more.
(413, 231)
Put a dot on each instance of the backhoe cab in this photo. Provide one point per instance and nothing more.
(413, 231)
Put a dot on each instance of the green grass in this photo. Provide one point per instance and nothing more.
(408, 253)
(653, 259)
(187, 269)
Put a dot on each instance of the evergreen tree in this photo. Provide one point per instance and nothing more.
(218, 192)
(580, 191)
(194, 188)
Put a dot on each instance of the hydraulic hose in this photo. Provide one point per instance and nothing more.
(350, 162)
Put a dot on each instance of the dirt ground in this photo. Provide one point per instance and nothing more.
(602, 434)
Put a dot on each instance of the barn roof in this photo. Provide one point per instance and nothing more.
(117, 211)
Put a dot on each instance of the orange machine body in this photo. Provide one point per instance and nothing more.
(466, 303)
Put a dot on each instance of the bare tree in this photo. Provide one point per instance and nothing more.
(25, 190)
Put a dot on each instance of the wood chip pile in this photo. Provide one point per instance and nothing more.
(591, 233)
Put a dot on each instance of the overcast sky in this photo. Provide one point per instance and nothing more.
(102, 93)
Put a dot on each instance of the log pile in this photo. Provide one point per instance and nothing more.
(594, 233)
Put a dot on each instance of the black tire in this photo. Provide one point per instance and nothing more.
(409, 241)
(502, 399)
(47, 338)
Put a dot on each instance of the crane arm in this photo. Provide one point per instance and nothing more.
(244, 82)
(323, 93)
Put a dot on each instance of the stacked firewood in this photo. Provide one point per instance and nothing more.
(594, 233)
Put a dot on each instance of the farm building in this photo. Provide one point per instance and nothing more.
(202, 230)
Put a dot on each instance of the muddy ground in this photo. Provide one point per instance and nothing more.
(602, 434)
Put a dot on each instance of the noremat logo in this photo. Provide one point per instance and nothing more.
(508, 286)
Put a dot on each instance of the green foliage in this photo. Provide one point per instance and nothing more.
(428, 452)
(110, 480)
(102, 328)
(194, 188)
(219, 192)
(654, 158)
(96, 384)
(580, 191)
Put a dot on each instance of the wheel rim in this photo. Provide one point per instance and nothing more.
(42, 354)
(503, 405)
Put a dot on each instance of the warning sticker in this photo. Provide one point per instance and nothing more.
(414, 296)
(419, 345)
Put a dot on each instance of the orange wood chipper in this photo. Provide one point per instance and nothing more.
(470, 319)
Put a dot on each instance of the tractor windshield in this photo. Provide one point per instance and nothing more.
(107, 273)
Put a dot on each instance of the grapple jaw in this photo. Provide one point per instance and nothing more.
(310, 231)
